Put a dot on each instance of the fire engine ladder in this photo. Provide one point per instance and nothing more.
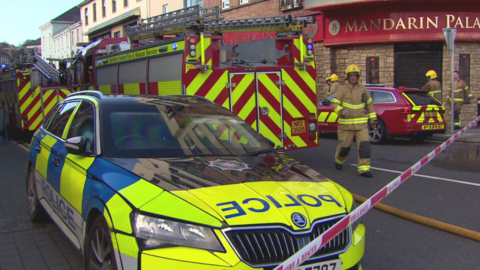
(207, 20)
(27, 57)
(46, 69)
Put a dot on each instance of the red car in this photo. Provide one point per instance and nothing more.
(401, 112)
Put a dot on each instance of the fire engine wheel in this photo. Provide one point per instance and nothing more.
(379, 134)
(35, 209)
(99, 252)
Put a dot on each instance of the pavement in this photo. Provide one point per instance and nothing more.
(470, 136)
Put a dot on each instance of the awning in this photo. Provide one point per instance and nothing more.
(119, 19)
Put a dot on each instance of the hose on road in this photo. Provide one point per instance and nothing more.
(423, 220)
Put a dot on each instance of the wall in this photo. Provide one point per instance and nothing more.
(252, 9)
(469, 111)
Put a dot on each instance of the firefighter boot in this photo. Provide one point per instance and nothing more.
(338, 166)
(367, 174)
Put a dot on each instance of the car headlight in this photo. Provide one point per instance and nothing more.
(157, 232)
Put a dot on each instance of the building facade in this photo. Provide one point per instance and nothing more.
(108, 18)
(50, 37)
(36, 45)
(397, 42)
(65, 41)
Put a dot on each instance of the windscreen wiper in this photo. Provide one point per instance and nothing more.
(260, 152)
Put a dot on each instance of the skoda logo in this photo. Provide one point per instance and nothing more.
(299, 220)
(334, 28)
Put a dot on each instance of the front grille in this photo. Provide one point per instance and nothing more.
(270, 246)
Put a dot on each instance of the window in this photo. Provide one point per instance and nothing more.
(57, 126)
(83, 124)
(225, 3)
(73, 39)
(50, 116)
(78, 36)
(86, 16)
(382, 97)
(116, 34)
(189, 3)
(114, 5)
(243, 1)
(125, 3)
(165, 8)
(94, 12)
(104, 7)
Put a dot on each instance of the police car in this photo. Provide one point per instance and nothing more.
(177, 182)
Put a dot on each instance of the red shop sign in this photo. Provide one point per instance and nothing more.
(400, 26)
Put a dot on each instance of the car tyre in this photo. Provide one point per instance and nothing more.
(99, 253)
(36, 213)
(379, 134)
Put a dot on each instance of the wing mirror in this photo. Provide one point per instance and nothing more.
(77, 146)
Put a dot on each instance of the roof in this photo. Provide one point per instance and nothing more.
(71, 15)
(35, 42)
(84, 3)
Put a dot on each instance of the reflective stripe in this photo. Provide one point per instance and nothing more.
(372, 115)
(364, 168)
(458, 90)
(339, 161)
(470, 95)
(369, 101)
(435, 91)
(120, 213)
(336, 101)
(458, 99)
(323, 116)
(351, 106)
(353, 121)
(339, 108)
(332, 118)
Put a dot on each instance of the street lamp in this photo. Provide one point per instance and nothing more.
(450, 34)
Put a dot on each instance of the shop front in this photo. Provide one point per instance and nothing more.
(397, 44)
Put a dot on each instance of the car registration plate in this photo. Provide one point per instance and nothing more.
(298, 126)
(430, 114)
(328, 265)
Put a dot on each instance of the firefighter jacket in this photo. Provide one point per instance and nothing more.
(328, 87)
(461, 90)
(357, 100)
(434, 89)
(334, 87)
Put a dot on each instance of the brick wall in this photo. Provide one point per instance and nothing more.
(252, 9)
(469, 111)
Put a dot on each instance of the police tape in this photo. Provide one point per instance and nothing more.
(303, 254)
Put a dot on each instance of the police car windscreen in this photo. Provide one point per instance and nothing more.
(176, 131)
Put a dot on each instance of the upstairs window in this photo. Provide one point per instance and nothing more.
(225, 3)
(165, 8)
(86, 16)
(104, 8)
(94, 12)
(114, 5)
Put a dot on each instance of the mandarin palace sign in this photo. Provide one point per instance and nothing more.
(400, 26)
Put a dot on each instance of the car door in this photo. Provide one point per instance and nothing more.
(73, 174)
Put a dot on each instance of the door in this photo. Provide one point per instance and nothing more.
(256, 97)
(270, 104)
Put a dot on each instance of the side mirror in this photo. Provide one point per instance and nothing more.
(77, 146)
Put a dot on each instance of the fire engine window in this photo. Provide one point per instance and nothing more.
(255, 53)
(133, 72)
(83, 124)
(61, 118)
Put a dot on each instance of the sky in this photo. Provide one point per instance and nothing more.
(22, 18)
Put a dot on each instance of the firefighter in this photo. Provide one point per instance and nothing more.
(354, 107)
(328, 81)
(433, 86)
(335, 84)
(461, 90)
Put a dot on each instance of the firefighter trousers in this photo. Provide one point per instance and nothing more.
(457, 114)
(345, 138)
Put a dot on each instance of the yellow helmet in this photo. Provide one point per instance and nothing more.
(328, 79)
(431, 74)
(334, 77)
(352, 69)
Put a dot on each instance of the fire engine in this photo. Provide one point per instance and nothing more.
(30, 88)
(269, 83)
